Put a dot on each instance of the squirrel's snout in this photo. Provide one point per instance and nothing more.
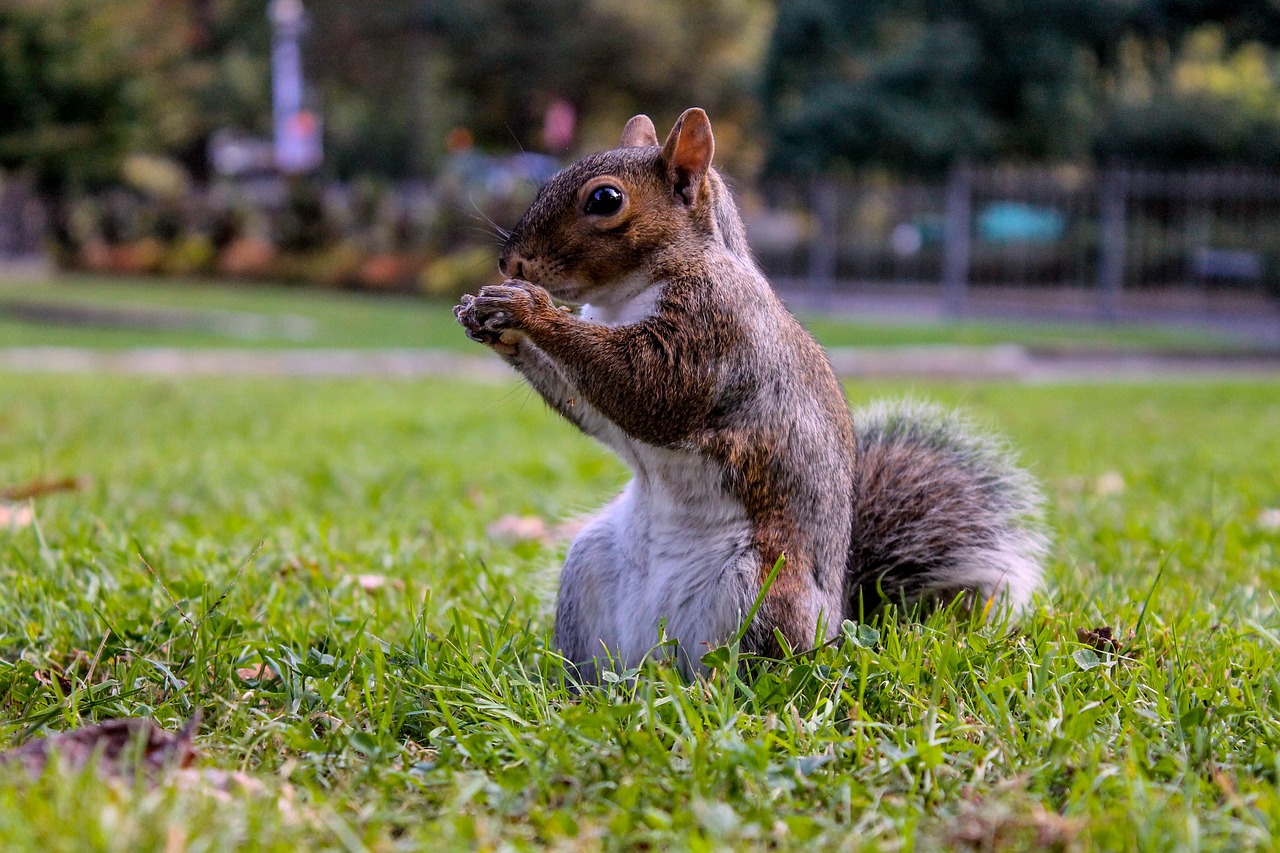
(511, 267)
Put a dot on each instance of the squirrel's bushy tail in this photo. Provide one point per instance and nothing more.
(940, 510)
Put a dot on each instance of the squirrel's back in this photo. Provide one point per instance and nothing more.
(940, 507)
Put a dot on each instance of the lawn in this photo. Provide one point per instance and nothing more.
(379, 669)
(115, 313)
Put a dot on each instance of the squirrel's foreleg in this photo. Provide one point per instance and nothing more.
(545, 377)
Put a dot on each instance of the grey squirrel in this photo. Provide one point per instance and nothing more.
(683, 361)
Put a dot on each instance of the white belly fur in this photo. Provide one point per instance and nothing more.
(672, 546)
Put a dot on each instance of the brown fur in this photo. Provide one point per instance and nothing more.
(716, 368)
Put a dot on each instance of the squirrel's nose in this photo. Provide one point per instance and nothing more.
(510, 269)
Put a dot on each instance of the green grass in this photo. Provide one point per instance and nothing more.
(838, 332)
(293, 317)
(320, 318)
(431, 713)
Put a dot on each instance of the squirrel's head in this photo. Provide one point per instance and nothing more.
(623, 212)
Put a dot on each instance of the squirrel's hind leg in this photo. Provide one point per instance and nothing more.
(587, 633)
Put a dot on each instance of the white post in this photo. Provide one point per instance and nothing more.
(1111, 226)
(956, 237)
(297, 129)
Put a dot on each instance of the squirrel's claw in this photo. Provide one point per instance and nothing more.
(473, 324)
(492, 318)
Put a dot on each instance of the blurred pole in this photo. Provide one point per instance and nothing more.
(956, 237)
(825, 199)
(297, 129)
(1111, 241)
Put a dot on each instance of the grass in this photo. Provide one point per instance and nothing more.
(420, 706)
(276, 316)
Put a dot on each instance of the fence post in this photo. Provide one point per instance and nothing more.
(956, 236)
(23, 219)
(825, 198)
(1113, 195)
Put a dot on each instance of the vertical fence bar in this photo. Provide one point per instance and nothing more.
(1113, 192)
(956, 236)
(822, 249)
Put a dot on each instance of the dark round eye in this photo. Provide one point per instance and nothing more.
(604, 201)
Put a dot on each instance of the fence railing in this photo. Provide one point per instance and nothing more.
(1102, 235)
(1110, 232)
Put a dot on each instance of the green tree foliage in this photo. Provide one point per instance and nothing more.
(509, 59)
(1206, 97)
(69, 103)
(85, 82)
(914, 84)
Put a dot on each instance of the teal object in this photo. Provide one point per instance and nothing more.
(1016, 222)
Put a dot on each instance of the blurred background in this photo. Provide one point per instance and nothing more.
(1064, 158)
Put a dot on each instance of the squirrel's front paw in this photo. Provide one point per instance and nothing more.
(511, 305)
(476, 325)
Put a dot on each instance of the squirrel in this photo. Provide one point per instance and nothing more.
(683, 361)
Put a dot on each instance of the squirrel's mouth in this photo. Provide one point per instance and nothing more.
(568, 291)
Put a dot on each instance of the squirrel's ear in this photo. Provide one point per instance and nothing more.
(639, 133)
(688, 151)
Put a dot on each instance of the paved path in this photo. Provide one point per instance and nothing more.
(1009, 362)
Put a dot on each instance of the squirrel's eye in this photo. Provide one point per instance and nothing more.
(604, 201)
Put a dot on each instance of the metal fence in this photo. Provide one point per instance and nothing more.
(1101, 241)
(23, 220)
(1112, 237)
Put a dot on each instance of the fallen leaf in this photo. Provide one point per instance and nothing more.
(519, 528)
(114, 742)
(373, 583)
(46, 486)
(531, 528)
(566, 531)
(1103, 639)
(999, 824)
(1110, 483)
(16, 515)
(260, 673)
(221, 785)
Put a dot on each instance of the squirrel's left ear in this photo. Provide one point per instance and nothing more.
(688, 152)
(639, 133)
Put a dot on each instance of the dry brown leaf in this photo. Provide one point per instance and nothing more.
(14, 516)
(518, 528)
(114, 743)
(373, 583)
(222, 785)
(1103, 639)
(565, 531)
(531, 528)
(260, 673)
(1015, 824)
(1110, 483)
(44, 486)
(176, 841)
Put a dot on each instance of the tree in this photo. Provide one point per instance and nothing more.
(915, 84)
(68, 110)
(510, 59)
(85, 82)
(1205, 95)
